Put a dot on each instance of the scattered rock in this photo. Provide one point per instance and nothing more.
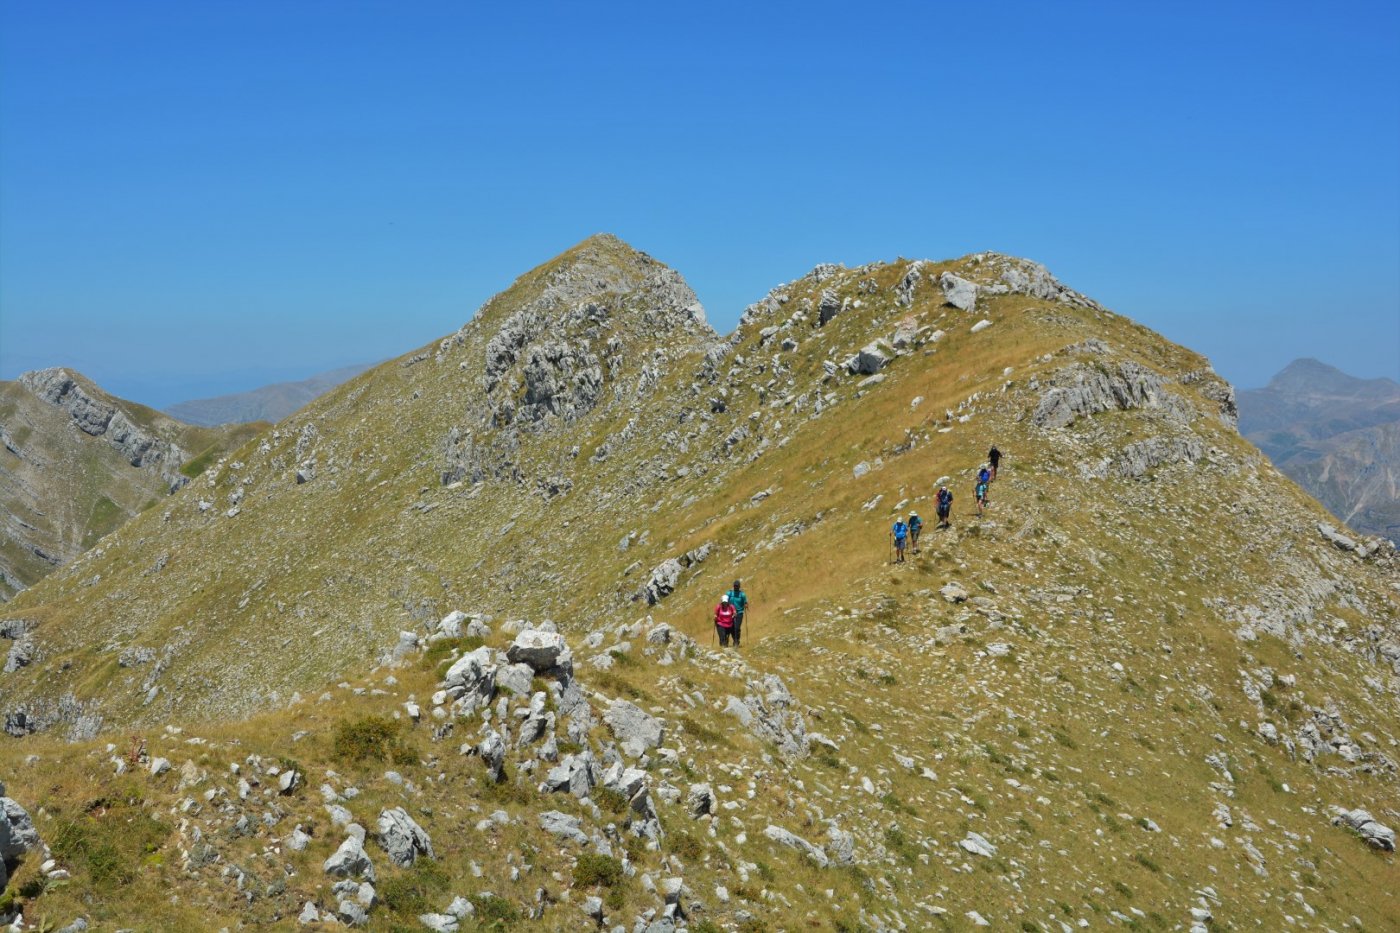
(541, 650)
(792, 841)
(634, 728)
(402, 838)
(1376, 835)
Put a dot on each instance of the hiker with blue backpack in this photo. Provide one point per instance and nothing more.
(900, 534)
(945, 505)
(740, 601)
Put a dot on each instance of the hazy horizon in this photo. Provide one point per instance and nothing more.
(198, 200)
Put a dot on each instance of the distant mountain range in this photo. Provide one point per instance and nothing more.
(1335, 435)
(270, 403)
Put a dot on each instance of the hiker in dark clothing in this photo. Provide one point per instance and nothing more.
(994, 458)
(900, 533)
(916, 525)
(724, 622)
(945, 505)
(740, 601)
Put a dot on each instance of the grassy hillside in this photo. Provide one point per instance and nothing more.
(1142, 679)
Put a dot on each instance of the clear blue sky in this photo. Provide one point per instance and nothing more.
(203, 197)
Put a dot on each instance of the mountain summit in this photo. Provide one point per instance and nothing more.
(436, 651)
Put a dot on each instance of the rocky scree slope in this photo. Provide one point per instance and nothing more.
(1336, 436)
(1112, 700)
(76, 463)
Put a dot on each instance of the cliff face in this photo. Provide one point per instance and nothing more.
(465, 601)
(77, 463)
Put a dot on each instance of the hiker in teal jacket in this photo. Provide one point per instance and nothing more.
(740, 601)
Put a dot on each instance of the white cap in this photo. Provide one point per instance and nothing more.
(724, 598)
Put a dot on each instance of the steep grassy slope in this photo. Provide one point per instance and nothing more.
(76, 463)
(1142, 679)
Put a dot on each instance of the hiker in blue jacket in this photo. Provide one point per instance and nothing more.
(900, 534)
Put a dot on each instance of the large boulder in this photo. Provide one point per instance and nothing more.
(871, 358)
(350, 860)
(634, 728)
(1376, 835)
(17, 834)
(958, 291)
(472, 678)
(539, 649)
(402, 838)
(563, 826)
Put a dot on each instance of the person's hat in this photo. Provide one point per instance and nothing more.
(724, 598)
(913, 514)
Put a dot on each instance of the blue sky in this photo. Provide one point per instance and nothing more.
(198, 198)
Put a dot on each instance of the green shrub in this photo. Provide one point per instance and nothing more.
(109, 843)
(610, 800)
(369, 738)
(494, 912)
(595, 870)
(416, 890)
(684, 844)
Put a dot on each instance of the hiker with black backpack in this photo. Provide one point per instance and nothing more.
(724, 622)
(945, 505)
(994, 458)
(980, 491)
(900, 533)
(916, 526)
(740, 601)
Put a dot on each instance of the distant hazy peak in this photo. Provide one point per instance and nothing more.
(1309, 376)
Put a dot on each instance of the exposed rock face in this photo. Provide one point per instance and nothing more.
(871, 358)
(635, 729)
(1084, 390)
(351, 860)
(101, 419)
(769, 711)
(588, 338)
(471, 680)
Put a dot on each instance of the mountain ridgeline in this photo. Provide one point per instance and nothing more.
(77, 463)
(467, 596)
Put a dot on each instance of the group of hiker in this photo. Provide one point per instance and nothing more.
(734, 605)
(905, 535)
(729, 615)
